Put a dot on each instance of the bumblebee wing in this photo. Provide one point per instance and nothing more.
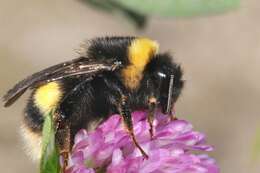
(77, 67)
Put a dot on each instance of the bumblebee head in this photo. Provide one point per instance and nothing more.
(166, 78)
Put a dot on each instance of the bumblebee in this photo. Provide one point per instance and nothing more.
(115, 75)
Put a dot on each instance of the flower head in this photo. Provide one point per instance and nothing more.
(109, 148)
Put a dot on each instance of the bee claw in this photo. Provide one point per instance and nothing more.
(145, 156)
(174, 118)
(151, 134)
(173, 114)
(65, 156)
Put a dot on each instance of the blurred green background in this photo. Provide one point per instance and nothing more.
(220, 54)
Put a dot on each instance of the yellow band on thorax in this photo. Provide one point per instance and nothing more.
(140, 53)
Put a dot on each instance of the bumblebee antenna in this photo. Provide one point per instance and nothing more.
(168, 110)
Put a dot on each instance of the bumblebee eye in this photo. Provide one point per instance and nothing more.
(160, 79)
(161, 74)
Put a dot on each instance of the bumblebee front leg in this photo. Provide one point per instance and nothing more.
(119, 98)
(173, 114)
(125, 112)
(152, 102)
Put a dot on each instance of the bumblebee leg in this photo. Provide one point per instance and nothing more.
(63, 139)
(173, 114)
(64, 116)
(151, 111)
(125, 112)
(119, 98)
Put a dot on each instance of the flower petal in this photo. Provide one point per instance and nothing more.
(110, 147)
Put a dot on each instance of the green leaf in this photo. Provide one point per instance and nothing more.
(50, 157)
(256, 147)
(116, 8)
(179, 7)
(100, 4)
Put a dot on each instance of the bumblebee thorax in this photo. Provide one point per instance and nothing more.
(140, 52)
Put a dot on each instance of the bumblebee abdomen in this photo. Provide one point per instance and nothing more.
(43, 99)
(32, 141)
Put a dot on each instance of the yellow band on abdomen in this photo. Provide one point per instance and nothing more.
(48, 96)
